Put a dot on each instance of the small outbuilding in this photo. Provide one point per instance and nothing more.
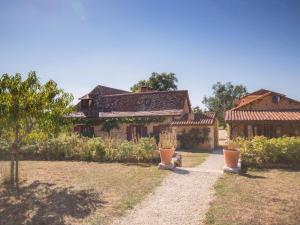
(199, 124)
(264, 113)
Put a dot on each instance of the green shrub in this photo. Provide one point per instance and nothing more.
(148, 149)
(126, 151)
(87, 149)
(193, 138)
(263, 152)
(97, 147)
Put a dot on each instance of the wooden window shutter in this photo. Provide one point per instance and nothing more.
(144, 132)
(156, 130)
(129, 132)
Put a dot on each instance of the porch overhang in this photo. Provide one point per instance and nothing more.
(262, 116)
(117, 114)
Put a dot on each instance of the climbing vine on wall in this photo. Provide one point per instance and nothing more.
(107, 124)
(143, 120)
(193, 137)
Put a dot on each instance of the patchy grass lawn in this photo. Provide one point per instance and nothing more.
(76, 192)
(192, 158)
(259, 197)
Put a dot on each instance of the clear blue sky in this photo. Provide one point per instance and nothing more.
(80, 44)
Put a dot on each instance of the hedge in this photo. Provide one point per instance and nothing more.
(274, 152)
(88, 149)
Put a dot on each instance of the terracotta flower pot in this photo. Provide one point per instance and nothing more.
(166, 155)
(231, 157)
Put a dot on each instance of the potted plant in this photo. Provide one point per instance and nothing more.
(167, 145)
(231, 154)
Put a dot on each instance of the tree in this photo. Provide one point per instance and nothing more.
(223, 98)
(27, 106)
(158, 81)
(197, 109)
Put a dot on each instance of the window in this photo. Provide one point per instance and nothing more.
(276, 99)
(136, 132)
(86, 103)
(85, 130)
(147, 101)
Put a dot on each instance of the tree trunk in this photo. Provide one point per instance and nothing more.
(17, 168)
(14, 163)
(12, 167)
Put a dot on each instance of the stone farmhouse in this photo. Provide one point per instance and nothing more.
(161, 109)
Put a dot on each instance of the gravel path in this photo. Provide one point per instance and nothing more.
(183, 198)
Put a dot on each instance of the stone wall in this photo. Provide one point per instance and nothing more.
(267, 104)
(121, 132)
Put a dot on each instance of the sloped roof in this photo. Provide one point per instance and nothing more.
(240, 114)
(154, 103)
(266, 115)
(142, 101)
(207, 118)
(102, 90)
(256, 93)
(250, 99)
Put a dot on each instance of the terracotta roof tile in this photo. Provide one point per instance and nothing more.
(266, 115)
(247, 100)
(199, 119)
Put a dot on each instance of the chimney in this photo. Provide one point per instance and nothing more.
(145, 89)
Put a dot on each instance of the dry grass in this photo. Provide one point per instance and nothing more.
(259, 197)
(76, 192)
(192, 159)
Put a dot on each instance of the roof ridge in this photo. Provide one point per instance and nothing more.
(102, 87)
(148, 92)
(99, 85)
(266, 110)
(252, 93)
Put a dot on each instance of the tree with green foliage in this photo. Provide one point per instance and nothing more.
(27, 106)
(224, 96)
(158, 81)
(197, 109)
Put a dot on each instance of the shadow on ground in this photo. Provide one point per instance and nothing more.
(181, 171)
(44, 203)
(139, 164)
(252, 176)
